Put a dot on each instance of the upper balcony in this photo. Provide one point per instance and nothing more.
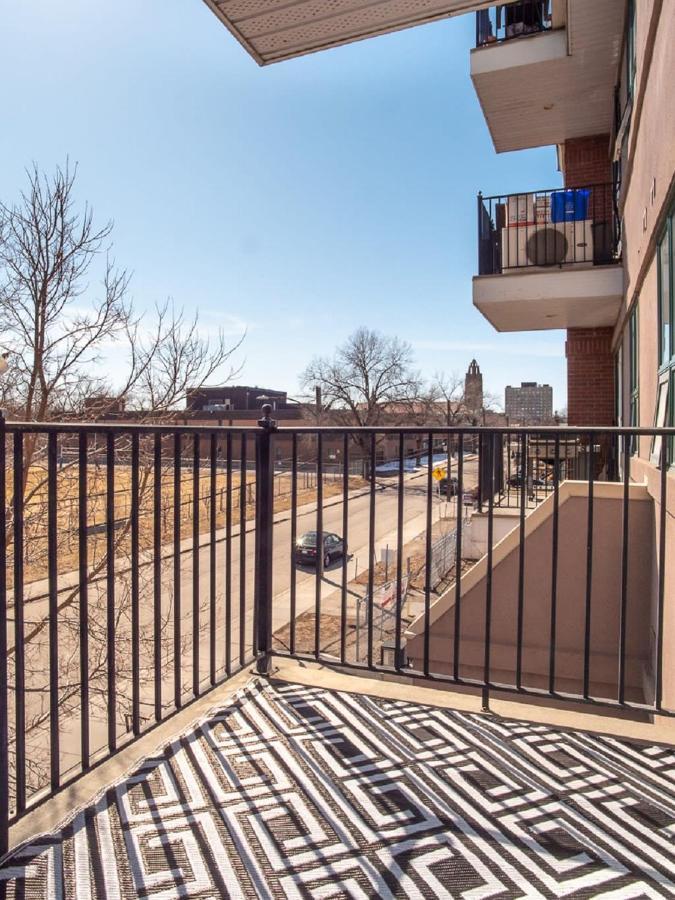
(549, 259)
(544, 70)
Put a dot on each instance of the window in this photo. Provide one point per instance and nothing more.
(634, 371)
(665, 262)
(661, 417)
(618, 381)
(631, 61)
(623, 94)
(665, 411)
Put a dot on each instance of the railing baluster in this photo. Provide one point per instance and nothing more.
(458, 554)
(554, 567)
(157, 572)
(625, 524)
(488, 577)
(228, 555)
(345, 548)
(213, 491)
(427, 568)
(196, 498)
(177, 612)
(589, 567)
(19, 634)
(111, 623)
(524, 479)
(242, 550)
(294, 537)
(663, 496)
(370, 604)
(319, 545)
(52, 565)
(399, 551)
(135, 587)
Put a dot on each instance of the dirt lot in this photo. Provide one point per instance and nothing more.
(36, 508)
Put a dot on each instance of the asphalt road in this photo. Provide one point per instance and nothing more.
(241, 593)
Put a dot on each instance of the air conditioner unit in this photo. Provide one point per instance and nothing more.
(547, 244)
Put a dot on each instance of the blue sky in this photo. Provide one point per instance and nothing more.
(300, 201)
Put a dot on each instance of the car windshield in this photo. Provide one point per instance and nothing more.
(308, 540)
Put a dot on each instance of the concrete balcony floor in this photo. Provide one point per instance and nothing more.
(346, 787)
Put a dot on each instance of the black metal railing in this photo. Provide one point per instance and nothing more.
(563, 227)
(105, 633)
(512, 20)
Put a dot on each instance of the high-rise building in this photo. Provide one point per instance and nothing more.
(473, 388)
(529, 404)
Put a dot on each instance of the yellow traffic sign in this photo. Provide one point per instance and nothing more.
(440, 472)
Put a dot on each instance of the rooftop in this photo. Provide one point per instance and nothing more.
(289, 790)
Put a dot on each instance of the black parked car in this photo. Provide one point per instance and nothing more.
(306, 549)
(449, 490)
(515, 481)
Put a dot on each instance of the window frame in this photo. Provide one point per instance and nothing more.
(631, 49)
(618, 378)
(666, 332)
(664, 243)
(634, 372)
(664, 403)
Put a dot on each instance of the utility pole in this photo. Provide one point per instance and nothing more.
(318, 402)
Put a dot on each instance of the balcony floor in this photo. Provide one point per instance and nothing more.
(297, 791)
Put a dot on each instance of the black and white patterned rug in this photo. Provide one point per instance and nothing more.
(299, 792)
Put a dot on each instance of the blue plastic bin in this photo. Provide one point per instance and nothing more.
(570, 206)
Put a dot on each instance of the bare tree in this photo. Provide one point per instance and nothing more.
(59, 329)
(447, 400)
(370, 379)
(55, 335)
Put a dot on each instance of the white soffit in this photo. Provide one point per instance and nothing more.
(274, 30)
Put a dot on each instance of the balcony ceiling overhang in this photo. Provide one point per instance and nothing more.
(543, 300)
(275, 30)
(543, 89)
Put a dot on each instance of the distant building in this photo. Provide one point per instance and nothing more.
(473, 388)
(102, 406)
(230, 398)
(531, 403)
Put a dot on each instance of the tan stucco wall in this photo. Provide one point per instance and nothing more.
(648, 191)
(607, 547)
(652, 139)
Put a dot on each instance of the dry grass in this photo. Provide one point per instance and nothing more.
(173, 503)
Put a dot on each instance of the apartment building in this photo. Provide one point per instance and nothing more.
(569, 608)
(595, 80)
(529, 404)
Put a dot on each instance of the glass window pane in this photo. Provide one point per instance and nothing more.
(664, 298)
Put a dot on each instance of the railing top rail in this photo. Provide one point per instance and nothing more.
(549, 190)
(104, 427)
(553, 430)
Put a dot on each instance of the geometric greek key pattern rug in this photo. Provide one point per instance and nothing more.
(305, 793)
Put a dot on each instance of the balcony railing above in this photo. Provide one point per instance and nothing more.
(563, 227)
(511, 20)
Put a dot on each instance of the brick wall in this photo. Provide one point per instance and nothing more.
(590, 363)
(587, 161)
(590, 376)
